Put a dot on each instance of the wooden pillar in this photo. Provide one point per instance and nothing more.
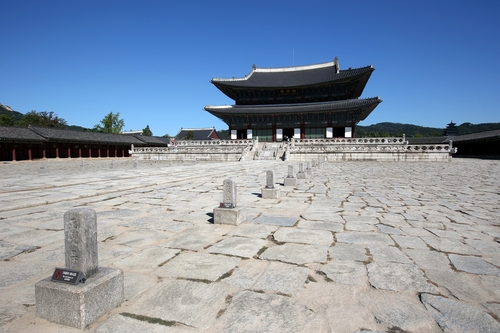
(13, 152)
(57, 150)
(44, 150)
(69, 150)
(30, 154)
(302, 130)
(274, 131)
(99, 150)
(107, 151)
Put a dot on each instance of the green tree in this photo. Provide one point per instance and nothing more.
(42, 119)
(167, 136)
(5, 120)
(189, 135)
(146, 131)
(111, 123)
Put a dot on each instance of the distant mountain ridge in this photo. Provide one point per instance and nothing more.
(396, 129)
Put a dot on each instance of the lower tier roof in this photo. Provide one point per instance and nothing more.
(363, 107)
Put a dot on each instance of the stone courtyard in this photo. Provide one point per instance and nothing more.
(356, 247)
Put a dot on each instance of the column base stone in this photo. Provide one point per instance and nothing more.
(232, 216)
(79, 305)
(271, 193)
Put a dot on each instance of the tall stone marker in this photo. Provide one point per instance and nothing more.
(270, 192)
(301, 174)
(79, 304)
(80, 241)
(228, 212)
(309, 169)
(290, 179)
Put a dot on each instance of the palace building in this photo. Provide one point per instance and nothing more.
(303, 102)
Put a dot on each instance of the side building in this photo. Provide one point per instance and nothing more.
(303, 102)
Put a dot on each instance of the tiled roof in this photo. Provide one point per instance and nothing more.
(20, 134)
(57, 134)
(366, 105)
(199, 133)
(153, 140)
(293, 76)
(487, 135)
(429, 140)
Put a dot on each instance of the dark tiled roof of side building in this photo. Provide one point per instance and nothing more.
(57, 134)
(198, 133)
(487, 135)
(13, 133)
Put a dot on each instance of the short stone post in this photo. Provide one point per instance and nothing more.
(270, 192)
(301, 174)
(308, 169)
(71, 303)
(228, 212)
(290, 179)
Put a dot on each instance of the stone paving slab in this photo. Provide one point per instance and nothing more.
(189, 303)
(198, 266)
(238, 247)
(296, 253)
(304, 236)
(357, 247)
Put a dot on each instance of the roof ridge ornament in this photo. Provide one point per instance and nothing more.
(336, 64)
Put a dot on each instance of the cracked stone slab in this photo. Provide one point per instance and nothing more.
(345, 251)
(304, 236)
(190, 303)
(194, 239)
(282, 221)
(257, 312)
(473, 265)
(449, 245)
(296, 253)
(427, 259)
(319, 225)
(409, 242)
(238, 246)
(388, 229)
(147, 259)
(157, 223)
(401, 310)
(198, 266)
(388, 253)
(251, 230)
(125, 324)
(346, 272)
(9, 250)
(398, 277)
(282, 278)
(366, 238)
(455, 316)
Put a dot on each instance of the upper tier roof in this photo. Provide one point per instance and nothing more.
(293, 76)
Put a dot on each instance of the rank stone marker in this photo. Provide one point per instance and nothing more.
(290, 179)
(102, 289)
(308, 169)
(270, 192)
(301, 174)
(228, 212)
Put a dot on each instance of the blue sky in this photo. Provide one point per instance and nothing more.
(152, 61)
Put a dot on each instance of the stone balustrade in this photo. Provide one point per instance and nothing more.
(196, 150)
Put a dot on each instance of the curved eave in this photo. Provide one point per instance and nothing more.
(363, 107)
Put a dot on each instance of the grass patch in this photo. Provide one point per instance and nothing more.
(149, 319)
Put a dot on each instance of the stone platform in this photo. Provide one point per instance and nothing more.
(357, 247)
